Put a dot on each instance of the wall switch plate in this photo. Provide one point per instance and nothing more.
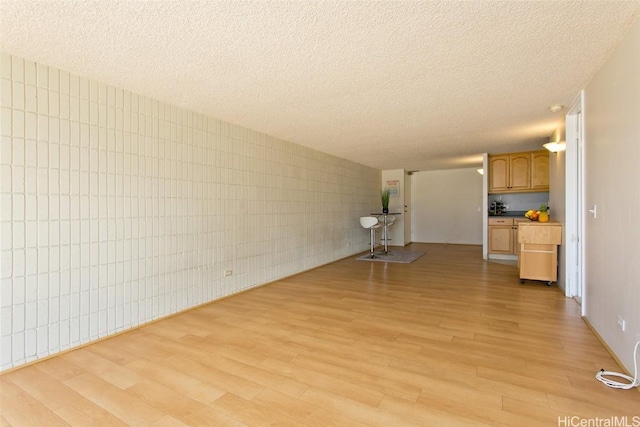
(228, 273)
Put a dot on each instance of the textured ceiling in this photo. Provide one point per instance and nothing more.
(389, 84)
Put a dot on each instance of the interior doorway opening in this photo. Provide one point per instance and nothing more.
(574, 203)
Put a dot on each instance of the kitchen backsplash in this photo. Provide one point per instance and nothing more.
(521, 201)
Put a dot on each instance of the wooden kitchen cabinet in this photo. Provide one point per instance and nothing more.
(519, 172)
(516, 223)
(499, 173)
(540, 170)
(503, 235)
(538, 258)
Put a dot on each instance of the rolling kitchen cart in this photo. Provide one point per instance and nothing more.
(538, 258)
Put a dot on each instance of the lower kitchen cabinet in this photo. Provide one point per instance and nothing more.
(503, 235)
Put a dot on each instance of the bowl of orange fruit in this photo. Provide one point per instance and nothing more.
(541, 215)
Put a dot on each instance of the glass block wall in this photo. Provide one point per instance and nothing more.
(117, 209)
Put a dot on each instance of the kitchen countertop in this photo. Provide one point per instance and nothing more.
(510, 214)
(540, 223)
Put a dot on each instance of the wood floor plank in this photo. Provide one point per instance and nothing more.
(120, 403)
(524, 378)
(433, 368)
(191, 366)
(19, 408)
(164, 399)
(189, 386)
(46, 390)
(86, 413)
(461, 351)
(302, 412)
(168, 421)
(103, 368)
(426, 413)
(489, 385)
(367, 375)
(60, 369)
(544, 415)
(252, 413)
(250, 373)
(449, 339)
(465, 401)
(119, 352)
(587, 408)
(325, 382)
(369, 415)
(8, 390)
(209, 416)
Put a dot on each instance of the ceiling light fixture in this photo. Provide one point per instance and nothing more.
(556, 107)
(554, 147)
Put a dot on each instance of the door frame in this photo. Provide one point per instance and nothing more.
(407, 207)
(574, 202)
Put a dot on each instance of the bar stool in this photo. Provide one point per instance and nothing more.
(371, 223)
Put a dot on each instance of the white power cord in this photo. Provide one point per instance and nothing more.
(633, 382)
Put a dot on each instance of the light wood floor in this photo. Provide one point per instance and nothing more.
(447, 340)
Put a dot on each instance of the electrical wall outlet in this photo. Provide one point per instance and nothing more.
(622, 323)
(228, 273)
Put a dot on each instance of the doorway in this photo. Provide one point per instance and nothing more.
(574, 199)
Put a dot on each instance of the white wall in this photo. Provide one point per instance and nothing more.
(612, 156)
(447, 206)
(557, 198)
(117, 209)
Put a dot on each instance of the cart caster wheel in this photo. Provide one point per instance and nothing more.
(522, 281)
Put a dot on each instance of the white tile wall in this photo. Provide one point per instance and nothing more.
(117, 209)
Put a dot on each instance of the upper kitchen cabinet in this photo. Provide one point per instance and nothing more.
(540, 170)
(519, 172)
(499, 173)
